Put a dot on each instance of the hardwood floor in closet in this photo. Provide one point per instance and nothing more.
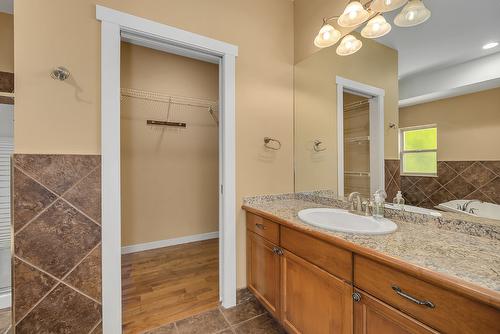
(168, 284)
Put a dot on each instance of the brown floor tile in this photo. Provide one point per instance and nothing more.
(63, 311)
(205, 323)
(87, 276)
(242, 295)
(167, 329)
(30, 285)
(263, 324)
(86, 195)
(244, 311)
(58, 239)
(29, 199)
(58, 172)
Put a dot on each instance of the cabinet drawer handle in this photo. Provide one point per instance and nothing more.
(260, 226)
(403, 294)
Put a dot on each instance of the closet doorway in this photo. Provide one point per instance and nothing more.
(360, 138)
(169, 187)
(115, 27)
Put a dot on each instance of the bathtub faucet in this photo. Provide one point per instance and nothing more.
(465, 207)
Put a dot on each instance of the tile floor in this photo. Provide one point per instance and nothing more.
(5, 320)
(247, 317)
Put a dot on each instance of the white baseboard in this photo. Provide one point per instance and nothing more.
(5, 300)
(169, 242)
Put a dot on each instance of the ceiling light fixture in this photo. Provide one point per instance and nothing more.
(327, 36)
(414, 13)
(349, 45)
(382, 6)
(376, 27)
(354, 14)
(490, 45)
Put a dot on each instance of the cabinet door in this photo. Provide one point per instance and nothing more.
(313, 301)
(371, 316)
(263, 271)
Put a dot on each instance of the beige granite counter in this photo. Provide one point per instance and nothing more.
(439, 245)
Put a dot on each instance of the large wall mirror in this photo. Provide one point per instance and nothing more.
(415, 111)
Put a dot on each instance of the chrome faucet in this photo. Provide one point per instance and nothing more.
(355, 206)
(465, 207)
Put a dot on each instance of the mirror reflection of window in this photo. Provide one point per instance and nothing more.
(418, 150)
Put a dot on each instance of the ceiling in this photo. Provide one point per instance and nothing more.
(7, 6)
(455, 33)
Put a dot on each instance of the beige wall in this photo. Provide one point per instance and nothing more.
(166, 169)
(63, 117)
(316, 105)
(6, 42)
(468, 125)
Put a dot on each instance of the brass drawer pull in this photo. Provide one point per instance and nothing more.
(403, 294)
(261, 226)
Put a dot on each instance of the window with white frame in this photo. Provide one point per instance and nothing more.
(418, 150)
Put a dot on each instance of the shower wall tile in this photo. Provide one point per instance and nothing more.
(57, 172)
(57, 239)
(87, 276)
(64, 310)
(30, 198)
(455, 180)
(57, 266)
(30, 286)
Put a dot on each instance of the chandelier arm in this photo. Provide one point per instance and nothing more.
(335, 17)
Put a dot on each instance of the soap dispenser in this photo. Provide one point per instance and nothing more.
(399, 201)
(378, 203)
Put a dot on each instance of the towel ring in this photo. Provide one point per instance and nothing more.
(317, 146)
(268, 140)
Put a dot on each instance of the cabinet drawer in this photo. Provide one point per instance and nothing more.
(263, 227)
(452, 313)
(335, 260)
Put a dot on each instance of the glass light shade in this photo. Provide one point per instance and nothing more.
(349, 45)
(327, 36)
(412, 14)
(382, 6)
(354, 14)
(376, 27)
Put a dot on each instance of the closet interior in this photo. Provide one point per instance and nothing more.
(169, 187)
(356, 144)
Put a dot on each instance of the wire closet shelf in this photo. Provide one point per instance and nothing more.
(209, 105)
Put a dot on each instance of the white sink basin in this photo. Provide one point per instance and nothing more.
(344, 221)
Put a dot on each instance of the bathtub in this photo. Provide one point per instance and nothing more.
(479, 209)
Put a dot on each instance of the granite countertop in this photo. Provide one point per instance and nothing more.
(465, 251)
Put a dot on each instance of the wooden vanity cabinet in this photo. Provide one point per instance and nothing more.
(371, 316)
(263, 271)
(312, 300)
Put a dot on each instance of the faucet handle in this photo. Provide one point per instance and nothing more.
(367, 205)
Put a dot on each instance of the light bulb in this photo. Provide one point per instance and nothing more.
(376, 27)
(412, 14)
(354, 14)
(327, 36)
(382, 6)
(349, 45)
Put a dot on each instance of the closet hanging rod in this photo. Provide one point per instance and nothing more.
(176, 124)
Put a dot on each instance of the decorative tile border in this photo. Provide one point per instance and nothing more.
(57, 243)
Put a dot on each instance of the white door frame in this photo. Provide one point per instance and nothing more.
(377, 180)
(114, 25)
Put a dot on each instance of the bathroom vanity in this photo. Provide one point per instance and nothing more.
(422, 278)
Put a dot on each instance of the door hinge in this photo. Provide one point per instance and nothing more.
(221, 189)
